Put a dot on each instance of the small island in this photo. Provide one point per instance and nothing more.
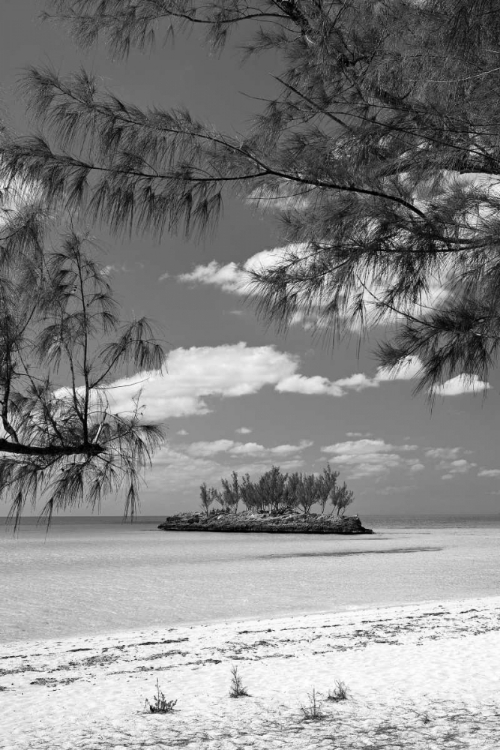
(276, 504)
(263, 522)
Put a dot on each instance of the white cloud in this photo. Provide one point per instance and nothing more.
(194, 374)
(459, 466)
(164, 276)
(248, 449)
(235, 278)
(489, 473)
(317, 384)
(417, 467)
(357, 382)
(210, 448)
(243, 431)
(449, 453)
(228, 371)
(359, 434)
(230, 278)
(364, 447)
(461, 384)
(313, 385)
(206, 448)
(287, 449)
(447, 476)
(182, 432)
(365, 457)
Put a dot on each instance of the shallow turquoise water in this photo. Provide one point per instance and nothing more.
(94, 576)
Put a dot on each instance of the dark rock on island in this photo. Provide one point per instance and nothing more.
(252, 522)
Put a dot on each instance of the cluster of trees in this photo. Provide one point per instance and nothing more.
(276, 492)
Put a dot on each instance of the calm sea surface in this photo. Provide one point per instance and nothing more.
(97, 575)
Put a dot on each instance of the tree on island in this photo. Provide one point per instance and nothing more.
(276, 493)
(62, 344)
(206, 497)
(341, 498)
(326, 486)
(231, 493)
(379, 152)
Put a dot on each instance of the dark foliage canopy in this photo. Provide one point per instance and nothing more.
(379, 155)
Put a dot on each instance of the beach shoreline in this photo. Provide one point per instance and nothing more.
(424, 658)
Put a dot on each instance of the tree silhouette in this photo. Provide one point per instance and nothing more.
(62, 344)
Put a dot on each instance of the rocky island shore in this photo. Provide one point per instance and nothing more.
(251, 522)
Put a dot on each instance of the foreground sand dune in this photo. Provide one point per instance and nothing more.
(420, 676)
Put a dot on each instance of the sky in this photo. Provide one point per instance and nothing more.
(236, 395)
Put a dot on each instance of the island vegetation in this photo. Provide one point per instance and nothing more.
(276, 492)
(275, 503)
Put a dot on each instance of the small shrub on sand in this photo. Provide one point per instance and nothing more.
(339, 693)
(160, 704)
(237, 688)
(312, 712)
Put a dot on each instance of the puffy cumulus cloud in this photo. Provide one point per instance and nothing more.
(416, 468)
(229, 277)
(459, 466)
(489, 473)
(315, 385)
(296, 383)
(228, 371)
(235, 278)
(461, 384)
(194, 374)
(369, 458)
(243, 431)
(244, 449)
(357, 382)
(359, 434)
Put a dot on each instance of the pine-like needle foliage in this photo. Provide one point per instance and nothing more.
(380, 154)
(61, 346)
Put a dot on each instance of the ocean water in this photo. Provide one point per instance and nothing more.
(98, 575)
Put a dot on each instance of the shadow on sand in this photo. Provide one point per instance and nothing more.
(394, 551)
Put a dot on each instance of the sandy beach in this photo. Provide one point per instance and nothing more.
(418, 676)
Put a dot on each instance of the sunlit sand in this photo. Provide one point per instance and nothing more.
(425, 675)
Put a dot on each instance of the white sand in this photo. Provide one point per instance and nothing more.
(419, 676)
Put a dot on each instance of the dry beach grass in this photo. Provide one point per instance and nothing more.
(420, 676)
